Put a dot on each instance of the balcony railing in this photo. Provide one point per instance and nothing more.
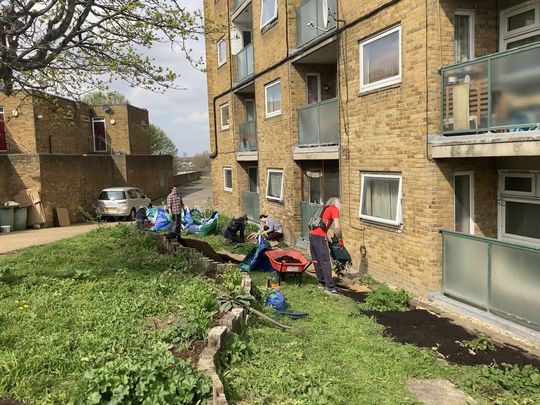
(498, 93)
(307, 210)
(500, 277)
(237, 4)
(309, 20)
(318, 124)
(248, 136)
(244, 63)
(250, 203)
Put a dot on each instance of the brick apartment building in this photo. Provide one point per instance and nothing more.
(423, 116)
(71, 151)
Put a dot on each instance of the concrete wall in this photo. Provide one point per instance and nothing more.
(152, 174)
(184, 178)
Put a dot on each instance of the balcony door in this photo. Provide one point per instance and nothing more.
(253, 175)
(313, 85)
(3, 136)
(250, 110)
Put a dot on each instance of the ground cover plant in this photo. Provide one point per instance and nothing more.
(344, 357)
(95, 319)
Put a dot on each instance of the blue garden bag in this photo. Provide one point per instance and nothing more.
(256, 259)
(276, 300)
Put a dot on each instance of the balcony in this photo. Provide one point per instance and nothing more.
(318, 131)
(244, 63)
(247, 148)
(250, 203)
(499, 277)
(493, 103)
(309, 20)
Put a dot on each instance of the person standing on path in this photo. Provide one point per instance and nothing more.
(174, 206)
(318, 244)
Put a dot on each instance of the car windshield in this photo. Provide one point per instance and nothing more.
(112, 195)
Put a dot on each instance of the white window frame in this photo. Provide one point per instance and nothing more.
(318, 76)
(227, 169)
(471, 15)
(502, 221)
(266, 87)
(269, 197)
(471, 201)
(532, 176)
(226, 125)
(221, 62)
(520, 33)
(383, 82)
(273, 18)
(399, 212)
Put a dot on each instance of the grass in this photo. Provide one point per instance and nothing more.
(79, 319)
(345, 358)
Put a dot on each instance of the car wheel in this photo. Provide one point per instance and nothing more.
(131, 216)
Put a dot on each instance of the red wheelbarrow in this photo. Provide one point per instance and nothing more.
(287, 261)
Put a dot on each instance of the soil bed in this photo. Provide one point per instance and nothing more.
(424, 329)
(7, 401)
(192, 353)
(355, 295)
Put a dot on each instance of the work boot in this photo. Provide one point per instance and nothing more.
(332, 292)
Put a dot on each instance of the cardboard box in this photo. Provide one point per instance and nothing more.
(29, 196)
(62, 217)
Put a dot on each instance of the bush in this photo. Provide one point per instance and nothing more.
(385, 299)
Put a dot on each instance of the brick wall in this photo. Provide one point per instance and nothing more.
(20, 129)
(152, 174)
(138, 130)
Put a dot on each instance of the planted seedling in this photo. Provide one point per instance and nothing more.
(480, 344)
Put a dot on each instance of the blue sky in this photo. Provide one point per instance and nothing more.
(182, 114)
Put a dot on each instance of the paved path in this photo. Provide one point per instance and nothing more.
(33, 237)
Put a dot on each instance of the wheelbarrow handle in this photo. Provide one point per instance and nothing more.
(307, 265)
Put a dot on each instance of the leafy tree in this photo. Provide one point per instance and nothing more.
(68, 45)
(160, 143)
(102, 97)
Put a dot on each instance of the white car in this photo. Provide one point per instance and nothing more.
(121, 202)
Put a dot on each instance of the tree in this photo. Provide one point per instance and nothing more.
(201, 160)
(160, 143)
(64, 46)
(102, 97)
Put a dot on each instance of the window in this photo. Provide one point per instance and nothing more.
(320, 181)
(272, 96)
(3, 136)
(253, 175)
(313, 86)
(463, 35)
(464, 203)
(224, 109)
(132, 194)
(519, 207)
(268, 12)
(274, 185)
(98, 128)
(380, 200)
(380, 60)
(227, 179)
(222, 52)
(520, 25)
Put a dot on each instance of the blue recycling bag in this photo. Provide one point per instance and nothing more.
(276, 300)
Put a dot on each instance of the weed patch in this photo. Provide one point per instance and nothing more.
(385, 299)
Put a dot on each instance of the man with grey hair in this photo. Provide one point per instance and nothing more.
(319, 246)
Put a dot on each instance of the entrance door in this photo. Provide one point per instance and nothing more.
(313, 84)
(100, 143)
(3, 136)
(464, 203)
(253, 174)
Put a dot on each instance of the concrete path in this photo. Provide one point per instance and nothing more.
(195, 194)
(33, 237)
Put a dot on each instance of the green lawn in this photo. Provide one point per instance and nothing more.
(345, 358)
(94, 318)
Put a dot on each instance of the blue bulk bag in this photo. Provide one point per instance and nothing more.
(276, 300)
(256, 259)
(163, 221)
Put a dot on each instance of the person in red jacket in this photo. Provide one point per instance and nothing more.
(318, 245)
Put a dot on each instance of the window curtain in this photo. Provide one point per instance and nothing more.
(381, 58)
(381, 198)
(274, 184)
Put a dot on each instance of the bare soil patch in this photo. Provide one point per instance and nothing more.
(192, 353)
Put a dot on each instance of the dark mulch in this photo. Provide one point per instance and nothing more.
(192, 353)
(424, 329)
(287, 259)
(355, 295)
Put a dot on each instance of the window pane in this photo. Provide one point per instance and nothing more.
(252, 173)
(521, 20)
(462, 37)
(268, 11)
(228, 178)
(381, 58)
(274, 184)
(522, 219)
(523, 184)
(331, 182)
(221, 51)
(380, 197)
(462, 209)
(273, 98)
(524, 41)
(225, 116)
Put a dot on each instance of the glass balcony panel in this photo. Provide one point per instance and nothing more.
(465, 269)
(318, 124)
(515, 89)
(250, 204)
(465, 98)
(244, 63)
(515, 278)
(248, 136)
(309, 20)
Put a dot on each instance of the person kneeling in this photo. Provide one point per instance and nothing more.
(271, 228)
(235, 230)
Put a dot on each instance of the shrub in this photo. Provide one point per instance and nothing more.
(385, 299)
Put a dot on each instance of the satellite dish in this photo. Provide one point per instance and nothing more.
(325, 13)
